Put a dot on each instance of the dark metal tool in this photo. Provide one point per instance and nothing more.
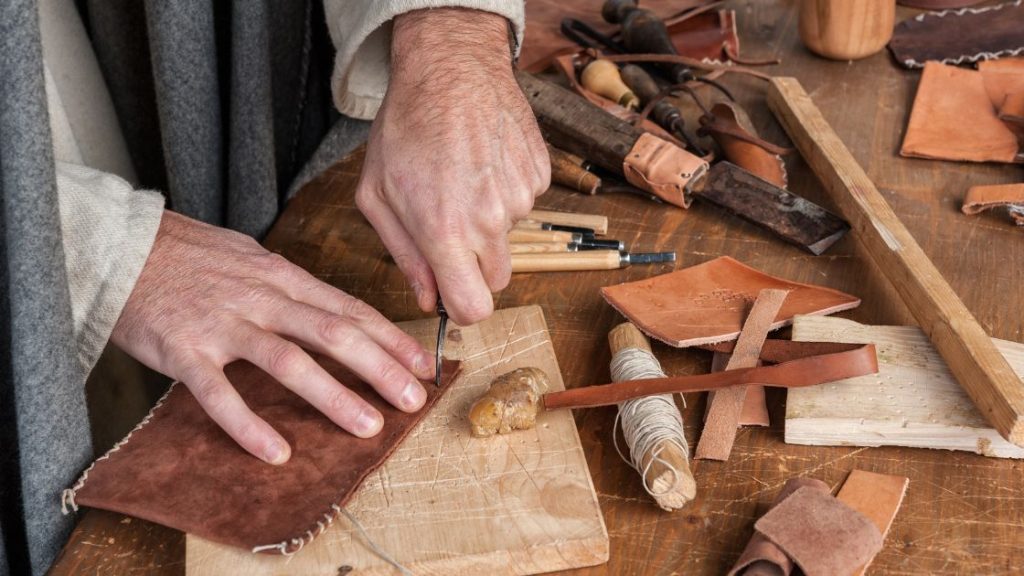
(442, 325)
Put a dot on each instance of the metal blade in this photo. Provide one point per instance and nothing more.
(442, 325)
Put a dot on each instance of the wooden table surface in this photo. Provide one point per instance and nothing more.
(963, 513)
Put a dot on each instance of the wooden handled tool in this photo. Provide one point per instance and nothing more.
(967, 349)
(517, 235)
(644, 33)
(541, 248)
(587, 260)
(596, 222)
(602, 77)
(567, 170)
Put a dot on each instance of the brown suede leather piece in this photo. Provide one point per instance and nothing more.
(181, 470)
(822, 535)
(955, 38)
(707, 303)
(761, 556)
(954, 117)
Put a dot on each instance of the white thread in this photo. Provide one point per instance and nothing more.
(646, 422)
(373, 546)
(968, 58)
(67, 497)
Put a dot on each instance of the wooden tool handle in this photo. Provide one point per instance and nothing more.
(538, 248)
(967, 349)
(627, 335)
(567, 170)
(602, 77)
(589, 260)
(596, 222)
(519, 235)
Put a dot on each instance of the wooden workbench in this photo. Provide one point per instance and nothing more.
(963, 513)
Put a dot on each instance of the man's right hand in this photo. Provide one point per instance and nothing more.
(208, 296)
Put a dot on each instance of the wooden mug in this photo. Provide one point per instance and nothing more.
(846, 29)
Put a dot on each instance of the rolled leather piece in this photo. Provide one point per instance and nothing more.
(179, 469)
(852, 360)
(1009, 196)
(763, 558)
(731, 128)
(822, 535)
(960, 36)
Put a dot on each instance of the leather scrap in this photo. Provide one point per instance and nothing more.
(954, 117)
(761, 556)
(719, 434)
(960, 36)
(663, 169)
(822, 535)
(179, 469)
(1010, 196)
(755, 407)
(707, 303)
(842, 361)
(731, 128)
(876, 496)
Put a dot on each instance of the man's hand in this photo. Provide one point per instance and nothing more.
(208, 296)
(454, 158)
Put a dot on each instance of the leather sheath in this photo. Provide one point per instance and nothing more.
(955, 115)
(1010, 196)
(960, 36)
(181, 470)
(663, 169)
(846, 361)
(707, 303)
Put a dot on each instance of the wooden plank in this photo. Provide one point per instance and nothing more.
(981, 370)
(447, 502)
(913, 400)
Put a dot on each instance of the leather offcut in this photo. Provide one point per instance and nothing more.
(181, 470)
(1009, 196)
(960, 36)
(663, 169)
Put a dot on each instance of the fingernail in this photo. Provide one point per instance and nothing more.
(413, 396)
(418, 290)
(277, 453)
(368, 423)
(424, 365)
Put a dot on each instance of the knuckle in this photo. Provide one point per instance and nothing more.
(212, 394)
(477, 309)
(341, 401)
(355, 309)
(336, 331)
(388, 373)
(286, 358)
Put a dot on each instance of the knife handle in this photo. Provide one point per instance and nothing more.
(541, 248)
(569, 261)
(519, 235)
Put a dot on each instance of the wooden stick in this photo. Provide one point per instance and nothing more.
(539, 247)
(520, 235)
(596, 222)
(978, 366)
(569, 261)
(669, 477)
(567, 170)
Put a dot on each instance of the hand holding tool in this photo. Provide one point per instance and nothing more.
(588, 260)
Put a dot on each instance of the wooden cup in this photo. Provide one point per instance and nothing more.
(846, 29)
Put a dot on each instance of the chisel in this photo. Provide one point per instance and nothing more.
(590, 260)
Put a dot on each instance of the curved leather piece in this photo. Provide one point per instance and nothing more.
(663, 169)
(730, 127)
(707, 303)
(981, 198)
(960, 36)
(181, 470)
(855, 360)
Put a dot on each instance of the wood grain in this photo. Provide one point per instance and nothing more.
(963, 511)
(446, 502)
(986, 376)
(913, 400)
(846, 29)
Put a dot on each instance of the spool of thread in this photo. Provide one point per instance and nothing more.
(602, 77)
(846, 29)
(651, 426)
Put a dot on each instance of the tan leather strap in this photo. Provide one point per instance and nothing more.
(845, 361)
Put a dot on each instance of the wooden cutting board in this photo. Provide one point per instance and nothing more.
(912, 401)
(448, 503)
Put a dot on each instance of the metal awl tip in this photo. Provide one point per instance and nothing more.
(442, 324)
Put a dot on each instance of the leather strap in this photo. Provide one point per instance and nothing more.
(840, 361)
(723, 419)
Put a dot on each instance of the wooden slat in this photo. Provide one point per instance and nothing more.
(973, 359)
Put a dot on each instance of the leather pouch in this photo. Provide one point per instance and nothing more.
(179, 469)
(955, 115)
(960, 36)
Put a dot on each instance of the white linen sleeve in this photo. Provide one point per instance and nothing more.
(108, 229)
(361, 32)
